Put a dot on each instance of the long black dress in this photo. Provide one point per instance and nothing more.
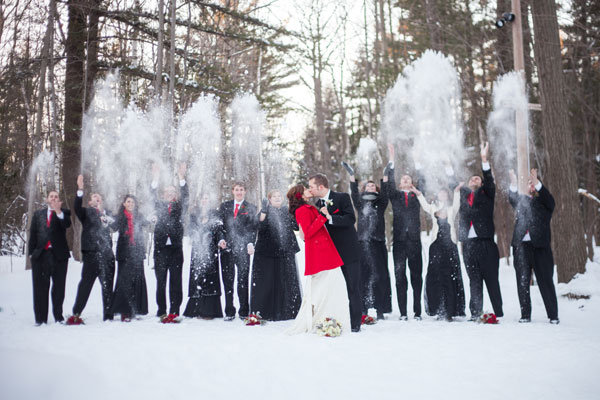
(275, 287)
(376, 290)
(444, 290)
(130, 297)
(205, 285)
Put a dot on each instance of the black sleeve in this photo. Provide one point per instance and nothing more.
(345, 216)
(513, 198)
(355, 195)
(79, 209)
(489, 186)
(185, 198)
(391, 184)
(546, 198)
(383, 195)
(66, 221)
(33, 234)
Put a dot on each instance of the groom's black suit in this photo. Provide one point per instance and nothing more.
(342, 232)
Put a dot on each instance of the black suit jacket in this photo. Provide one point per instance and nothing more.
(371, 213)
(276, 233)
(532, 214)
(341, 229)
(170, 225)
(40, 233)
(95, 235)
(407, 218)
(482, 211)
(241, 230)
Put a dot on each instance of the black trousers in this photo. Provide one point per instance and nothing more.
(539, 259)
(229, 261)
(375, 277)
(351, 271)
(99, 265)
(408, 250)
(168, 259)
(43, 269)
(482, 262)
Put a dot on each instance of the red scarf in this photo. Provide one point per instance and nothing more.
(129, 232)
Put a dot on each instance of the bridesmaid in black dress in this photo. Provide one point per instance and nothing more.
(130, 297)
(275, 287)
(370, 204)
(444, 290)
(206, 231)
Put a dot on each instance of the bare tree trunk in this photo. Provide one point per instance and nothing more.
(567, 223)
(433, 24)
(159, 51)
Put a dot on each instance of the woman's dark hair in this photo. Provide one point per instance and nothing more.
(295, 199)
(122, 207)
(364, 186)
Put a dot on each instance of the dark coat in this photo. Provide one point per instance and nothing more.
(482, 211)
(40, 233)
(95, 235)
(241, 230)
(341, 229)
(126, 250)
(532, 214)
(406, 209)
(170, 224)
(205, 237)
(276, 233)
(371, 213)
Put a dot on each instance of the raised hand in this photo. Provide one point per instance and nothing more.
(485, 148)
(181, 171)
(513, 177)
(415, 190)
(80, 182)
(460, 185)
(56, 206)
(533, 176)
(391, 152)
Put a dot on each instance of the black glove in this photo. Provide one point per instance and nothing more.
(348, 167)
(387, 168)
(264, 205)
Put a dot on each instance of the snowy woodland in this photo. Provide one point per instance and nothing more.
(269, 92)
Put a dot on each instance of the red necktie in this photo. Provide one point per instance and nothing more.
(470, 199)
(406, 198)
(235, 212)
(48, 226)
(170, 208)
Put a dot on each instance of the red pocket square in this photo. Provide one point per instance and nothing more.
(244, 213)
(337, 210)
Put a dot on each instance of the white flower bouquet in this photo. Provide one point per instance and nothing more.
(329, 327)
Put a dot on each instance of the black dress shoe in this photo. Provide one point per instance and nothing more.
(380, 316)
(418, 318)
(524, 320)
(403, 318)
(229, 318)
(355, 329)
(554, 321)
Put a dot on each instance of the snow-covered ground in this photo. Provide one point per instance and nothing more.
(222, 360)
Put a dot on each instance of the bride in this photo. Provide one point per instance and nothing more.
(325, 293)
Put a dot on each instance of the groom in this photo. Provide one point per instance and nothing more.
(338, 209)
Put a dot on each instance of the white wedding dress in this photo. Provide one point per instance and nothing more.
(325, 296)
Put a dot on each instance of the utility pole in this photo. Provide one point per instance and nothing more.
(520, 118)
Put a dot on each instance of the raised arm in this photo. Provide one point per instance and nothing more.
(488, 184)
(78, 203)
(355, 195)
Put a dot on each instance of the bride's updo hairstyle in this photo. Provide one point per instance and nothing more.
(295, 199)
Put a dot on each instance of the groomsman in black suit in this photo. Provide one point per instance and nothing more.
(168, 242)
(406, 238)
(531, 244)
(239, 219)
(338, 209)
(476, 232)
(97, 253)
(49, 254)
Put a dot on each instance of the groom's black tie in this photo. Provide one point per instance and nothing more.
(320, 203)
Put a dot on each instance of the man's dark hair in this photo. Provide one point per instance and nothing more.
(238, 183)
(320, 179)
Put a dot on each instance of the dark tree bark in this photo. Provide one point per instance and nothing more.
(74, 99)
(560, 177)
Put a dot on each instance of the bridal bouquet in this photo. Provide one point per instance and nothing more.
(489, 318)
(253, 319)
(329, 327)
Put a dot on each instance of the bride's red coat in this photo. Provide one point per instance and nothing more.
(320, 252)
